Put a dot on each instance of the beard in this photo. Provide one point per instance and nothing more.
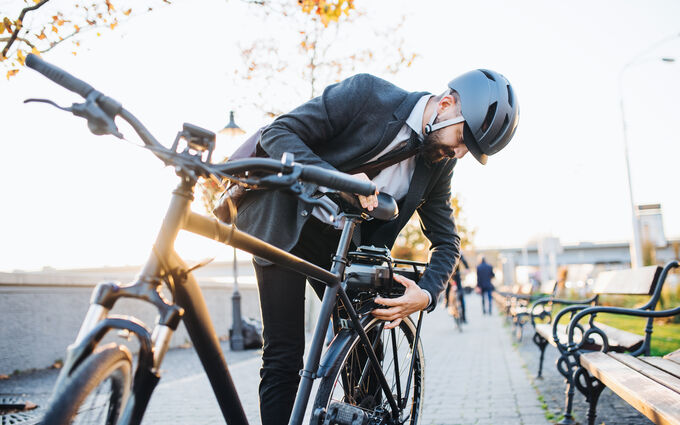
(433, 148)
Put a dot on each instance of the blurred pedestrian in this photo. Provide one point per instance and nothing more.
(484, 285)
(459, 287)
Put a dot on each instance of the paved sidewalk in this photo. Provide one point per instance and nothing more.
(472, 377)
(475, 376)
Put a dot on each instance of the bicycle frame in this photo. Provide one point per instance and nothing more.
(165, 266)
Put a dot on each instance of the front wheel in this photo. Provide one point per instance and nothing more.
(96, 391)
(351, 381)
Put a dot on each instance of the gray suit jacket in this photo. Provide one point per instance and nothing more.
(351, 122)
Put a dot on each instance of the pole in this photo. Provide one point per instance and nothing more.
(236, 338)
(636, 245)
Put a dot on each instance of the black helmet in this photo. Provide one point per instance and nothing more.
(490, 109)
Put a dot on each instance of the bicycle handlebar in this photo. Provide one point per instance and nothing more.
(58, 75)
(337, 180)
(311, 173)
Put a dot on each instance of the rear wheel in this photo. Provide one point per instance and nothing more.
(345, 384)
(96, 392)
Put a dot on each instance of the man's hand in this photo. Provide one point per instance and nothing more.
(367, 202)
(414, 299)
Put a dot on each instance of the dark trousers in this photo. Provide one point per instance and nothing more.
(486, 299)
(282, 301)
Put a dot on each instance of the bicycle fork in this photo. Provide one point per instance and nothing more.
(152, 346)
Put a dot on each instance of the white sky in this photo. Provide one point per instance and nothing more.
(70, 199)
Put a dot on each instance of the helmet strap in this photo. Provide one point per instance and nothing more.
(431, 126)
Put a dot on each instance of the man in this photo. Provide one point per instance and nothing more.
(352, 123)
(484, 276)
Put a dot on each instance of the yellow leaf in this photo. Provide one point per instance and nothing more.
(11, 73)
(54, 29)
(99, 34)
(36, 1)
(113, 25)
(2, 27)
(35, 51)
(42, 35)
(76, 27)
(21, 57)
(127, 12)
(74, 53)
(8, 24)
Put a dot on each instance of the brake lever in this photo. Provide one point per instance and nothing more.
(49, 102)
(98, 121)
(296, 190)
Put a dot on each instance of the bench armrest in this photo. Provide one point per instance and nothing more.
(549, 301)
(572, 311)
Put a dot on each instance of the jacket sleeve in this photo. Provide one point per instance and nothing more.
(317, 121)
(437, 223)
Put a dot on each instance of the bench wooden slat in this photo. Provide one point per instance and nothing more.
(674, 356)
(640, 281)
(668, 365)
(617, 338)
(656, 373)
(620, 338)
(659, 403)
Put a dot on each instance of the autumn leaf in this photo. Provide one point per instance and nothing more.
(42, 35)
(2, 27)
(11, 73)
(127, 12)
(54, 29)
(8, 24)
(109, 5)
(113, 25)
(76, 27)
(21, 57)
(35, 51)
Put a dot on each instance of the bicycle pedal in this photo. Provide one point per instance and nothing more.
(345, 414)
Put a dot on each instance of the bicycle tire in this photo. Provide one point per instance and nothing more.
(78, 398)
(331, 389)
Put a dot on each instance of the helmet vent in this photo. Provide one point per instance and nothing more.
(510, 98)
(489, 116)
(488, 75)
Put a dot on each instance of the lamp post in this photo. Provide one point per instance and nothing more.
(636, 245)
(236, 343)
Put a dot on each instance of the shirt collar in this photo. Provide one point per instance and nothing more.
(415, 120)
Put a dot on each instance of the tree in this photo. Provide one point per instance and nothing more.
(312, 54)
(40, 26)
(411, 244)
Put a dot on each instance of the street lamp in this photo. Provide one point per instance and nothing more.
(236, 343)
(636, 245)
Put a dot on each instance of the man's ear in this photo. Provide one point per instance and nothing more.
(445, 103)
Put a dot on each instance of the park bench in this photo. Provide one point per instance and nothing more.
(594, 356)
(616, 282)
(513, 298)
(519, 312)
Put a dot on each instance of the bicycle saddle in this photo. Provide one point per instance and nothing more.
(386, 210)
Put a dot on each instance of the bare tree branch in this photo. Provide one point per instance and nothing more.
(15, 34)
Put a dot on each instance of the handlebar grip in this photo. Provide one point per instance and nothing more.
(337, 180)
(58, 75)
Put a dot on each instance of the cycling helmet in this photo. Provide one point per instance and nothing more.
(490, 111)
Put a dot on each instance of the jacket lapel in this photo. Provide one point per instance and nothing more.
(391, 129)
